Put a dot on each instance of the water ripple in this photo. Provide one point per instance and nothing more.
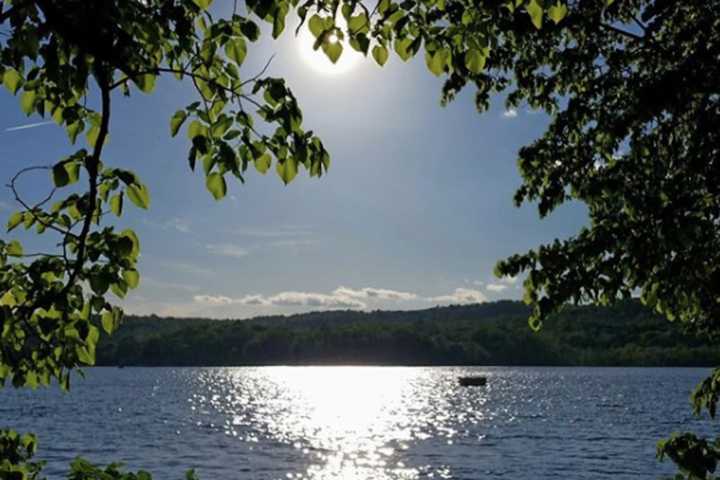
(352, 423)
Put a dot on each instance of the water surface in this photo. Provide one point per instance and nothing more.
(358, 423)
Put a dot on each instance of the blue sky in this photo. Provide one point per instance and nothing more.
(415, 211)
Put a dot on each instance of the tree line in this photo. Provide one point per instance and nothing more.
(485, 334)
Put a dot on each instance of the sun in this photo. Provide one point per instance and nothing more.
(317, 60)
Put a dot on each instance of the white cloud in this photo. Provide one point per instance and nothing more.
(303, 299)
(227, 250)
(501, 284)
(178, 224)
(459, 296)
(510, 113)
(341, 298)
(280, 232)
(496, 287)
(214, 299)
(290, 243)
(253, 300)
(375, 293)
(285, 299)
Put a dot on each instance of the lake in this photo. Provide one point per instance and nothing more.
(359, 423)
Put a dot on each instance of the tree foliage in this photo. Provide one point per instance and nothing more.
(16, 452)
(631, 87)
(496, 333)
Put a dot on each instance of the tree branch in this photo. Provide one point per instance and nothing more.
(32, 209)
(92, 165)
(195, 77)
(261, 73)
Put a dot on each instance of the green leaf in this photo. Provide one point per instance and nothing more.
(73, 171)
(262, 163)
(92, 135)
(279, 21)
(27, 101)
(14, 249)
(99, 283)
(195, 129)
(360, 43)
(474, 60)
(380, 54)
(29, 220)
(31, 380)
(139, 195)
(436, 62)
(316, 25)
(402, 48)
(216, 185)
(60, 176)
(119, 289)
(333, 50)
(131, 237)
(74, 129)
(108, 322)
(176, 122)
(557, 12)
(236, 50)
(12, 80)
(116, 204)
(535, 11)
(359, 24)
(209, 162)
(145, 82)
(203, 4)
(287, 170)
(14, 220)
(8, 299)
(65, 173)
(132, 278)
(218, 129)
(250, 30)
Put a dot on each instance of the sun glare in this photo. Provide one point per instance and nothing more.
(346, 423)
(317, 60)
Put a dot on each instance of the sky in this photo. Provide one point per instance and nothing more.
(415, 211)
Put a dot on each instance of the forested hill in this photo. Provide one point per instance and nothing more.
(486, 334)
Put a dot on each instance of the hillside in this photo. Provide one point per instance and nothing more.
(485, 334)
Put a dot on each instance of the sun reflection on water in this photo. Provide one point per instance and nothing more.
(349, 423)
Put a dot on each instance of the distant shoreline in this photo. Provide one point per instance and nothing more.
(497, 333)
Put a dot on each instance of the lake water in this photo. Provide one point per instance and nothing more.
(360, 423)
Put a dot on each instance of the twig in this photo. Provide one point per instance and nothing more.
(30, 209)
(262, 72)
